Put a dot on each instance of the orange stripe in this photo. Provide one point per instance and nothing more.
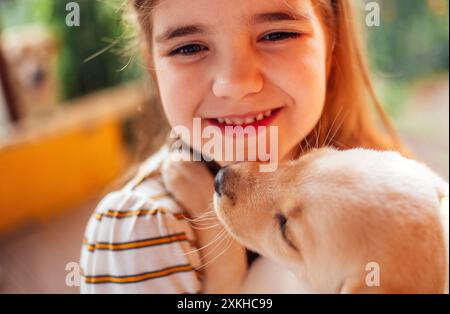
(159, 196)
(136, 213)
(135, 244)
(139, 277)
(146, 177)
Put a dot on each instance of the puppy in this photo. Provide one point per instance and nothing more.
(355, 221)
(31, 56)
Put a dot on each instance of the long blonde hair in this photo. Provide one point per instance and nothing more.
(352, 115)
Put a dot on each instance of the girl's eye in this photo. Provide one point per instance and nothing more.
(193, 49)
(278, 36)
(187, 50)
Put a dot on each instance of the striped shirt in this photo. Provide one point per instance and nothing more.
(137, 240)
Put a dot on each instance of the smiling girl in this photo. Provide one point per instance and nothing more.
(293, 64)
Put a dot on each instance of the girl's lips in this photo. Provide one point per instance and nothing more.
(264, 122)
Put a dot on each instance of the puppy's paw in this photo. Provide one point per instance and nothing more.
(190, 183)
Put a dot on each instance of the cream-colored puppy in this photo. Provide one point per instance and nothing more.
(355, 221)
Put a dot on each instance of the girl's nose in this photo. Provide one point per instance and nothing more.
(238, 75)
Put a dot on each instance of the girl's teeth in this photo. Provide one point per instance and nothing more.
(248, 120)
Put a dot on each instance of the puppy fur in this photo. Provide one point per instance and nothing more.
(342, 211)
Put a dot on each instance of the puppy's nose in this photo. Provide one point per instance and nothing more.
(224, 182)
(218, 180)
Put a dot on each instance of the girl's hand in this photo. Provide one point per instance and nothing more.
(224, 260)
(191, 184)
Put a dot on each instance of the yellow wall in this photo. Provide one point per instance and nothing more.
(47, 175)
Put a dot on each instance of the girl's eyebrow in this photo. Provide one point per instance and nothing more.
(260, 18)
(181, 31)
(290, 15)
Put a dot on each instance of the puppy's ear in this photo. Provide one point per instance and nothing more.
(357, 286)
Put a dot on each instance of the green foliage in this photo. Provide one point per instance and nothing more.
(412, 39)
(90, 56)
(411, 43)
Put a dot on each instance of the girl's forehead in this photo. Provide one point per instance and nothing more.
(204, 15)
(213, 9)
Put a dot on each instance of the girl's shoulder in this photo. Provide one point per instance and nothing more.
(138, 235)
(144, 193)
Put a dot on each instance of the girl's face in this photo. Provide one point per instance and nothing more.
(229, 62)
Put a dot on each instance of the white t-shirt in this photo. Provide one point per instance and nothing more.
(137, 240)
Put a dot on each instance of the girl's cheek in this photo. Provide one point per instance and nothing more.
(180, 93)
(308, 75)
(305, 88)
(303, 78)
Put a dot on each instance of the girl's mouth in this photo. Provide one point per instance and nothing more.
(262, 118)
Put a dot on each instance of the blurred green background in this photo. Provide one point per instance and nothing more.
(411, 43)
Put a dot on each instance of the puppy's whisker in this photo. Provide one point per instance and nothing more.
(316, 135)
(203, 219)
(301, 142)
(332, 126)
(216, 238)
(345, 146)
(206, 215)
(202, 223)
(207, 264)
(337, 129)
(308, 145)
(205, 223)
(205, 227)
(217, 246)
(228, 245)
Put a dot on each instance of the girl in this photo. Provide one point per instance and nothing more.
(293, 64)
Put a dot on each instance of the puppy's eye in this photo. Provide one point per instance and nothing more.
(282, 221)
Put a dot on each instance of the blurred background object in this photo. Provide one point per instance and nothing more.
(101, 32)
(105, 117)
(409, 53)
(30, 54)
